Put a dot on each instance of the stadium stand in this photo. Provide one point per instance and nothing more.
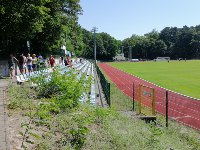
(85, 67)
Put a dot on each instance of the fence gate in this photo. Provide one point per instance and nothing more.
(146, 99)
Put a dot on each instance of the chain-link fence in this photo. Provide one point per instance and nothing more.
(181, 108)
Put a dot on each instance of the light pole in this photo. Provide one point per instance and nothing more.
(94, 30)
(122, 49)
(28, 46)
(130, 52)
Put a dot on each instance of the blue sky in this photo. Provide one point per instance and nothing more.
(122, 18)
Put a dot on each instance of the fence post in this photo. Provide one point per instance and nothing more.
(133, 97)
(153, 101)
(140, 100)
(167, 123)
(109, 102)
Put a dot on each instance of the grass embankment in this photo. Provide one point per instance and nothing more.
(179, 76)
(52, 118)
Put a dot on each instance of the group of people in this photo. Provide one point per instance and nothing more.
(33, 63)
(30, 63)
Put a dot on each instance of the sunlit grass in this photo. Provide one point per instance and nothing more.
(179, 76)
(124, 131)
(107, 128)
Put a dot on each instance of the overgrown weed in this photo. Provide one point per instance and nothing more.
(59, 121)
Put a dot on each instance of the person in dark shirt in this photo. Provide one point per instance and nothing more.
(67, 61)
(51, 61)
(21, 63)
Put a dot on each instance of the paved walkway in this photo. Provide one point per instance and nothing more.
(3, 116)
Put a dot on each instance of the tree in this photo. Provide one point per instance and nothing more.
(148, 46)
(87, 49)
(41, 22)
(110, 45)
(195, 45)
(170, 36)
(183, 48)
(106, 46)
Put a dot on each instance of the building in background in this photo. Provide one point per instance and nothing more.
(119, 57)
(64, 51)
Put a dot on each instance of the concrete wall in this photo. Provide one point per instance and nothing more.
(57, 61)
(4, 68)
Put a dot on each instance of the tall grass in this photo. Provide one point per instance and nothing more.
(119, 101)
(122, 130)
(91, 128)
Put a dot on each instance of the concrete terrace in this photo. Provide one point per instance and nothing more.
(3, 115)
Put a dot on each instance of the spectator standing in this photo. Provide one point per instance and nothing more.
(51, 61)
(11, 64)
(21, 62)
(67, 61)
(29, 63)
(25, 64)
(34, 62)
(40, 61)
(62, 59)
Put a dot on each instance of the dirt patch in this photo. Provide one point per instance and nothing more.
(14, 129)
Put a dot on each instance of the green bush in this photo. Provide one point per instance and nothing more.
(64, 90)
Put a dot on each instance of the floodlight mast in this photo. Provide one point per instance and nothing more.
(130, 52)
(94, 30)
(122, 49)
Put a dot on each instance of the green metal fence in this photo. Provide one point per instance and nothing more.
(104, 83)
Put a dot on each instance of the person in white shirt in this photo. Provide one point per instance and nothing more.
(25, 65)
(29, 63)
(34, 62)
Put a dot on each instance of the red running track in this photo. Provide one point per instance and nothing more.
(181, 108)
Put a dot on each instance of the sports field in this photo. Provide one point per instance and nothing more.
(179, 76)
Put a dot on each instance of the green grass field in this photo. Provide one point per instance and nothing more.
(179, 76)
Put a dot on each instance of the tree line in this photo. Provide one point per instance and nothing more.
(49, 24)
(106, 45)
(170, 42)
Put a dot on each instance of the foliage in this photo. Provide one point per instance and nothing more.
(49, 24)
(60, 87)
(40, 22)
(84, 127)
(106, 46)
(21, 98)
(57, 100)
(170, 42)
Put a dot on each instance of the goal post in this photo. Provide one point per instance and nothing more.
(162, 59)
